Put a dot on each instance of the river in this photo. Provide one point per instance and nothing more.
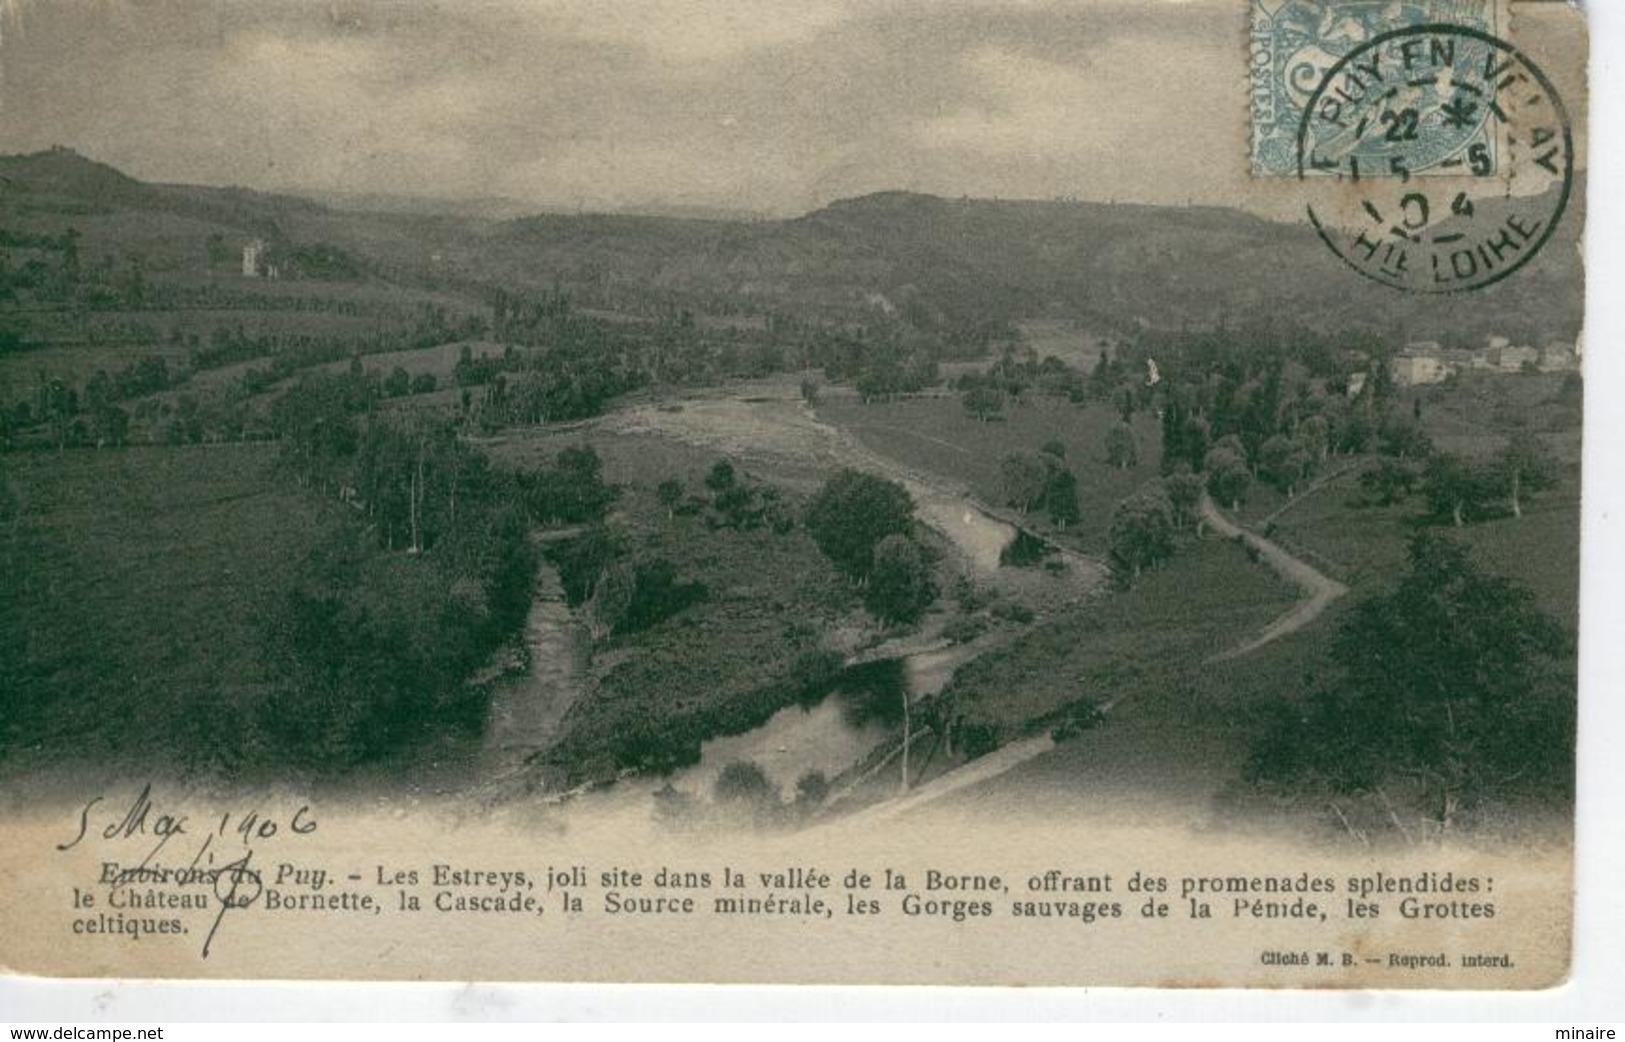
(828, 737)
(837, 732)
(527, 711)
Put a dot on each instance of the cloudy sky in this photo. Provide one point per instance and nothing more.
(776, 106)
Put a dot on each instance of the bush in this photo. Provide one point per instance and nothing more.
(852, 513)
(963, 629)
(970, 597)
(813, 673)
(901, 587)
(744, 782)
(1013, 611)
(978, 739)
(1076, 719)
(812, 789)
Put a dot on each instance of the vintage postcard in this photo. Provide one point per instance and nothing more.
(1064, 492)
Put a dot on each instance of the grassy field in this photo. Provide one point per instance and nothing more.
(76, 359)
(1180, 721)
(1079, 348)
(136, 592)
(1474, 413)
(440, 360)
(935, 435)
(1365, 547)
(1148, 641)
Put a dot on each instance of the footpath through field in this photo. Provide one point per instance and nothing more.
(1320, 591)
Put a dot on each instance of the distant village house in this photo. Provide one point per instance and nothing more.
(1427, 362)
(1419, 363)
(256, 260)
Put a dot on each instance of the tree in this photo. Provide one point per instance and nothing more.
(1404, 438)
(577, 485)
(1283, 462)
(398, 383)
(809, 391)
(219, 253)
(1053, 447)
(1227, 476)
(1527, 466)
(812, 789)
(1390, 481)
(743, 783)
(900, 588)
(1457, 487)
(721, 477)
(670, 493)
(110, 425)
(1184, 490)
(1313, 437)
(1122, 448)
(1061, 498)
(1142, 530)
(984, 403)
(1124, 400)
(1025, 475)
(1472, 689)
(852, 513)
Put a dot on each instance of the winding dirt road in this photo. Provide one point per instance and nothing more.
(1319, 590)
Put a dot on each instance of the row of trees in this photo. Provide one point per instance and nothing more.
(1465, 489)
(423, 327)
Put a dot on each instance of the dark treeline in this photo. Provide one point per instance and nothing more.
(430, 326)
(427, 571)
(56, 270)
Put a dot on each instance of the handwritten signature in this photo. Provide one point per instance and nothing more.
(237, 885)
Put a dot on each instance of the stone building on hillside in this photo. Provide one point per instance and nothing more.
(1419, 363)
(253, 258)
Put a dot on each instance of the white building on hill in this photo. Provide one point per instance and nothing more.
(253, 258)
(1419, 363)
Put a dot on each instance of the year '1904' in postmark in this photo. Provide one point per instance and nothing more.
(1415, 101)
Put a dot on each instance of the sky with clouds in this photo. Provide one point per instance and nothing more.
(776, 106)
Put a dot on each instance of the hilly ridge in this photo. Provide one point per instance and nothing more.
(940, 260)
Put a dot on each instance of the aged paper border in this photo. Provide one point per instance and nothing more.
(1599, 850)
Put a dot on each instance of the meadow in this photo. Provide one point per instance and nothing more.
(1147, 642)
(936, 435)
(140, 584)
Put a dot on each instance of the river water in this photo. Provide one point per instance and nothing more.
(837, 732)
(828, 737)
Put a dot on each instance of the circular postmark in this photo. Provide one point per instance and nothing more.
(1435, 159)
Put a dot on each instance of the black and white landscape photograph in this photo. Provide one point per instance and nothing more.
(754, 417)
